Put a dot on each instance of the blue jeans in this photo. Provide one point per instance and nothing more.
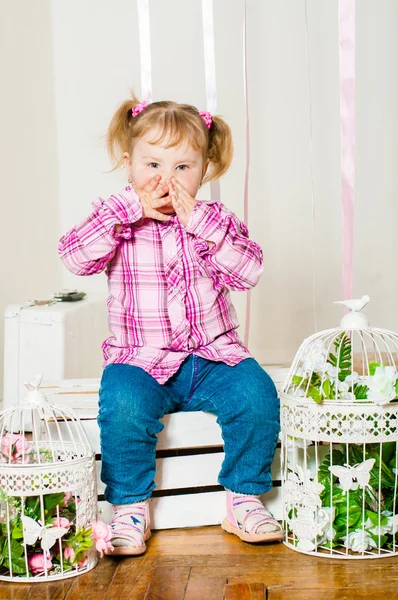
(131, 403)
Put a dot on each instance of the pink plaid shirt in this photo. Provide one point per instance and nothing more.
(168, 291)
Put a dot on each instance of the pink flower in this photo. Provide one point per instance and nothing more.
(102, 534)
(61, 522)
(22, 446)
(69, 554)
(15, 446)
(83, 562)
(38, 563)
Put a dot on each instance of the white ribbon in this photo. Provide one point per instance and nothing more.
(247, 169)
(311, 168)
(347, 128)
(145, 50)
(210, 74)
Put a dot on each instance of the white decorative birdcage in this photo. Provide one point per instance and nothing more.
(48, 494)
(339, 430)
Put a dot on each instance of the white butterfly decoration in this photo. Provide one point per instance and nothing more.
(33, 530)
(353, 477)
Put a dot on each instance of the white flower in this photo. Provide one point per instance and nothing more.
(305, 545)
(392, 525)
(382, 385)
(376, 530)
(292, 442)
(313, 357)
(325, 517)
(332, 371)
(347, 396)
(342, 386)
(359, 541)
(352, 379)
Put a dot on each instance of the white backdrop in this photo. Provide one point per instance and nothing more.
(66, 66)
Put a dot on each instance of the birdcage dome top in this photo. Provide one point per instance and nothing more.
(352, 363)
(38, 433)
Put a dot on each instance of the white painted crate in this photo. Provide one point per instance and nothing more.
(62, 339)
(189, 457)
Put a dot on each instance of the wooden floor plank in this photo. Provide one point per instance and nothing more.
(200, 540)
(205, 588)
(200, 564)
(131, 579)
(364, 593)
(14, 591)
(168, 584)
(94, 584)
(54, 590)
(245, 591)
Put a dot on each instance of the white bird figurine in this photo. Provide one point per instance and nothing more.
(34, 385)
(355, 305)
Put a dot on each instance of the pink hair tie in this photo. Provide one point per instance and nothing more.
(139, 108)
(207, 118)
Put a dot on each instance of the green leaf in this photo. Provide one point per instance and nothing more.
(18, 565)
(52, 500)
(296, 380)
(32, 508)
(354, 515)
(379, 540)
(373, 366)
(373, 517)
(332, 360)
(17, 532)
(327, 388)
(360, 391)
(388, 452)
(17, 549)
(343, 355)
(315, 394)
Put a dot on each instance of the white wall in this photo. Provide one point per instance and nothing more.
(95, 55)
(29, 267)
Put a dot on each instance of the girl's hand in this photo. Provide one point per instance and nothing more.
(150, 196)
(182, 201)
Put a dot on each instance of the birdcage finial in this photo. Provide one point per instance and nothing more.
(33, 395)
(355, 319)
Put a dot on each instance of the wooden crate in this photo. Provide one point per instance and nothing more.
(189, 456)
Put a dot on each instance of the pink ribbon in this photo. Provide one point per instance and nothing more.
(347, 121)
(207, 118)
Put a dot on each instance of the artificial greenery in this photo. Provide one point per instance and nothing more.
(350, 506)
(54, 506)
(320, 385)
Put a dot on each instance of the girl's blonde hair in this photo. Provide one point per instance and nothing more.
(172, 124)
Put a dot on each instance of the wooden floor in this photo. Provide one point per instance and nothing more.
(209, 564)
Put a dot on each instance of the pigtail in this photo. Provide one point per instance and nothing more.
(220, 149)
(118, 139)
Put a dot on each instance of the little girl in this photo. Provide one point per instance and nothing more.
(171, 261)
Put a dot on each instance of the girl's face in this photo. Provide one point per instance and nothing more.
(182, 162)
